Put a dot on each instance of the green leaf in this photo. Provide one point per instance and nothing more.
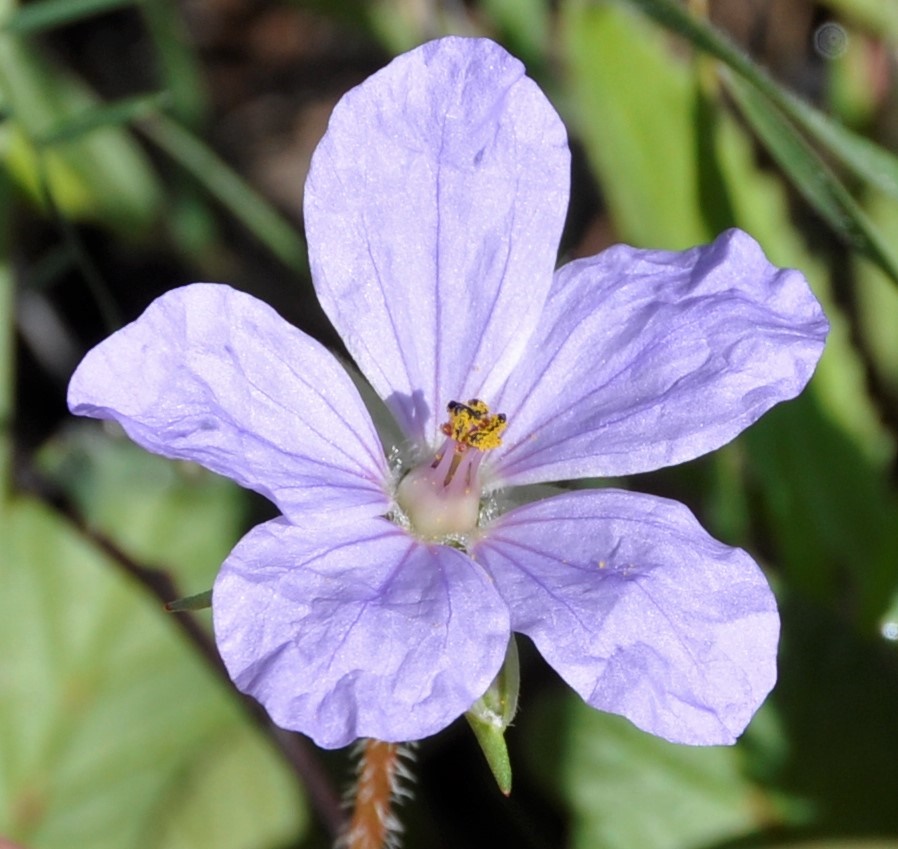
(836, 702)
(634, 107)
(861, 156)
(811, 176)
(101, 115)
(625, 788)
(851, 90)
(103, 176)
(877, 16)
(200, 601)
(163, 513)
(49, 14)
(178, 61)
(524, 26)
(837, 843)
(113, 734)
(830, 511)
(876, 301)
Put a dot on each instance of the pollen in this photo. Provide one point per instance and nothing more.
(472, 425)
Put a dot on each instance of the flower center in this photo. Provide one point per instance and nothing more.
(442, 497)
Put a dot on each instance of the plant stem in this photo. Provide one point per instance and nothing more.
(373, 824)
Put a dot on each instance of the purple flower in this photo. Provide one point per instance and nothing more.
(380, 602)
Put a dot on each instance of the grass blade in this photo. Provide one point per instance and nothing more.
(861, 156)
(249, 207)
(101, 116)
(811, 176)
(49, 14)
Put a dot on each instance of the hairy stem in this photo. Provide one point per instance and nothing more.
(374, 824)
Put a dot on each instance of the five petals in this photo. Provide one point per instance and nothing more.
(433, 208)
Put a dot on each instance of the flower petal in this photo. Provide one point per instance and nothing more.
(433, 209)
(357, 631)
(649, 358)
(639, 610)
(216, 376)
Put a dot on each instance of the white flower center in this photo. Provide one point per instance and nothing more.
(442, 498)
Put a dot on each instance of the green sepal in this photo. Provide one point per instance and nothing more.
(493, 712)
(492, 744)
(200, 601)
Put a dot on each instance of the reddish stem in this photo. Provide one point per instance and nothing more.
(373, 823)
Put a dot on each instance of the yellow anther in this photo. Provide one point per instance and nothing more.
(472, 425)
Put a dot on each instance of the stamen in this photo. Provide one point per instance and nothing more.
(472, 425)
(442, 497)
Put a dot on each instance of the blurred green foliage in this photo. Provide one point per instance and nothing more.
(113, 731)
